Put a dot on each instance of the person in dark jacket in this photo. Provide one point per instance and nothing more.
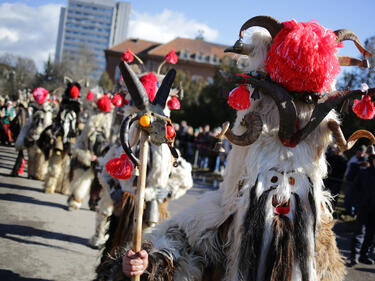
(365, 223)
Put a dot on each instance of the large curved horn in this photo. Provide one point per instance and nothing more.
(346, 34)
(282, 99)
(340, 139)
(135, 87)
(253, 124)
(271, 24)
(66, 78)
(164, 89)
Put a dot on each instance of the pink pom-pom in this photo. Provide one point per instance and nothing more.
(104, 104)
(90, 96)
(74, 92)
(174, 103)
(239, 98)
(127, 56)
(149, 82)
(364, 108)
(118, 100)
(171, 57)
(40, 95)
(120, 168)
(303, 57)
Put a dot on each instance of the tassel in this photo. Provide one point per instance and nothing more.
(74, 92)
(364, 108)
(127, 56)
(120, 168)
(118, 100)
(23, 163)
(90, 96)
(174, 103)
(239, 98)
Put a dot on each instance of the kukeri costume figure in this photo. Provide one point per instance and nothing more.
(58, 139)
(40, 119)
(164, 182)
(90, 145)
(271, 218)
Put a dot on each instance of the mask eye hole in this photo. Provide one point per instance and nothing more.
(274, 179)
(292, 181)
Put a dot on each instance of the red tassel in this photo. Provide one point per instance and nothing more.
(149, 82)
(74, 92)
(118, 100)
(90, 96)
(104, 104)
(364, 108)
(171, 57)
(239, 98)
(174, 103)
(127, 56)
(23, 163)
(120, 168)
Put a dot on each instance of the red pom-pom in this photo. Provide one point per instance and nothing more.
(171, 132)
(364, 108)
(74, 92)
(303, 57)
(239, 98)
(120, 168)
(118, 100)
(104, 104)
(127, 56)
(149, 82)
(90, 96)
(174, 103)
(40, 95)
(171, 57)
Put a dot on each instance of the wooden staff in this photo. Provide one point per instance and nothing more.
(140, 196)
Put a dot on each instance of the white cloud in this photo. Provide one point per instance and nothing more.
(29, 31)
(166, 26)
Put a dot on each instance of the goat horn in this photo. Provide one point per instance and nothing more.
(271, 24)
(340, 139)
(66, 78)
(135, 87)
(253, 124)
(348, 61)
(281, 97)
(346, 34)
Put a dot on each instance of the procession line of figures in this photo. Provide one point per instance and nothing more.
(271, 219)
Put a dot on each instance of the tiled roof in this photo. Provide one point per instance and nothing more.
(193, 46)
(135, 45)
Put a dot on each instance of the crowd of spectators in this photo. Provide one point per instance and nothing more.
(197, 145)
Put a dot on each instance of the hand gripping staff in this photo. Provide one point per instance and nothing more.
(151, 125)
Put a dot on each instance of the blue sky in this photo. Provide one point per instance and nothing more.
(221, 20)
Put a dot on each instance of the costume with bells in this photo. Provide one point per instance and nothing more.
(90, 145)
(163, 182)
(30, 133)
(271, 218)
(56, 140)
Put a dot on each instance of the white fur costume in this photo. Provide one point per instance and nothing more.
(206, 241)
(30, 133)
(99, 123)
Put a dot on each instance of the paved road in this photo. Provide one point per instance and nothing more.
(40, 240)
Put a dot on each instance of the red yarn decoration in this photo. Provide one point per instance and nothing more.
(303, 57)
(364, 108)
(120, 168)
(174, 103)
(40, 95)
(282, 210)
(127, 56)
(74, 92)
(239, 98)
(90, 96)
(104, 104)
(118, 100)
(171, 57)
(149, 82)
